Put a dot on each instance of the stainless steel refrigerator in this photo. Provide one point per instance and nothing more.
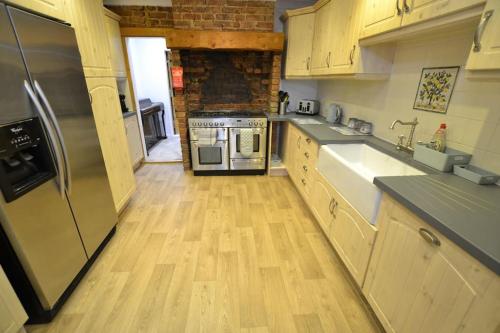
(56, 211)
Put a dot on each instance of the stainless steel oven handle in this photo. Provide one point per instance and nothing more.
(51, 136)
(53, 118)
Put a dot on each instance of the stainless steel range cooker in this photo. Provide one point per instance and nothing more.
(228, 142)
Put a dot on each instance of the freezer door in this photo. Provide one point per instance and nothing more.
(51, 55)
(39, 225)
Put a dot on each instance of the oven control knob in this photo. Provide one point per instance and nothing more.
(211, 124)
(222, 124)
(204, 124)
(261, 124)
(216, 124)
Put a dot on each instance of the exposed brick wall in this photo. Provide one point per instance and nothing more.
(144, 16)
(261, 70)
(237, 15)
(227, 80)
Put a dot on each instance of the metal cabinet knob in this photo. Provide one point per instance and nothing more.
(305, 168)
(306, 154)
(303, 181)
(308, 140)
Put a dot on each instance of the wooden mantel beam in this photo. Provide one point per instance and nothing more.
(212, 39)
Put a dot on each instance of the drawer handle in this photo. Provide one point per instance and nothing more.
(306, 154)
(305, 168)
(330, 206)
(308, 140)
(429, 237)
(406, 8)
(308, 63)
(335, 204)
(303, 181)
(400, 12)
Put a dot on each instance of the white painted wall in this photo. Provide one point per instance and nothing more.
(473, 116)
(149, 73)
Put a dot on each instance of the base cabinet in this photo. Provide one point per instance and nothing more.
(114, 144)
(12, 314)
(419, 281)
(134, 140)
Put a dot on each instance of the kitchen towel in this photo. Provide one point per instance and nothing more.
(246, 142)
(206, 136)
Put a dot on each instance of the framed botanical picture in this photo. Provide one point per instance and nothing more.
(435, 88)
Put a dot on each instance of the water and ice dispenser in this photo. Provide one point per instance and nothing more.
(25, 159)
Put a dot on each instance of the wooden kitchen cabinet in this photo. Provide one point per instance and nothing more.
(381, 16)
(300, 31)
(322, 44)
(419, 280)
(322, 200)
(87, 18)
(12, 314)
(386, 15)
(52, 8)
(352, 236)
(487, 55)
(134, 140)
(114, 143)
(115, 44)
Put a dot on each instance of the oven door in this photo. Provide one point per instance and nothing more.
(208, 157)
(259, 143)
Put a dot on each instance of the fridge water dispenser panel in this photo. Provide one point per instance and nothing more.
(25, 159)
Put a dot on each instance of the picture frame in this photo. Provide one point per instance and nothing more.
(435, 88)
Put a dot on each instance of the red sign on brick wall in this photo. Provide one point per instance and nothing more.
(177, 81)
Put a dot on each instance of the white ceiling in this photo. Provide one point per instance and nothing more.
(163, 3)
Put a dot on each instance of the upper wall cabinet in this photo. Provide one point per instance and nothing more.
(52, 8)
(115, 43)
(485, 52)
(299, 29)
(386, 15)
(322, 39)
(87, 18)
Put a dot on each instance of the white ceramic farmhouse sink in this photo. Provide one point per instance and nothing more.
(305, 121)
(350, 168)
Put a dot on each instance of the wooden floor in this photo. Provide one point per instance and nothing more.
(214, 254)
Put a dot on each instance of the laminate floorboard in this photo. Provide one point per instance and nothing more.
(214, 254)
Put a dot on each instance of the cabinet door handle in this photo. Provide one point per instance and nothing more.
(351, 54)
(308, 62)
(480, 29)
(406, 8)
(328, 59)
(303, 181)
(399, 11)
(305, 168)
(308, 140)
(330, 206)
(306, 154)
(429, 237)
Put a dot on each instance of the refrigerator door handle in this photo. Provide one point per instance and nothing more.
(51, 136)
(59, 135)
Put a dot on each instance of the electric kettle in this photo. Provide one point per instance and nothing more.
(334, 114)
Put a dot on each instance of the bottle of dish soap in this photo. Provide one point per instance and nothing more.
(439, 139)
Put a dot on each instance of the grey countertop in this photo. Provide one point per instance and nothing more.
(466, 213)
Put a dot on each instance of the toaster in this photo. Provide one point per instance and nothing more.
(308, 106)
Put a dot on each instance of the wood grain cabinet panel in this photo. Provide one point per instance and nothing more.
(381, 16)
(134, 140)
(300, 30)
(322, 53)
(422, 10)
(87, 18)
(114, 144)
(52, 8)
(115, 44)
(487, 55)
(419, 281)
(12, 314)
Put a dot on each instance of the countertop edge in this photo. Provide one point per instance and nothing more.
(480, 255)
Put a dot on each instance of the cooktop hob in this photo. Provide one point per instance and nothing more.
(227, 114)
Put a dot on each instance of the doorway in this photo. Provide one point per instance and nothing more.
(149, 62)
